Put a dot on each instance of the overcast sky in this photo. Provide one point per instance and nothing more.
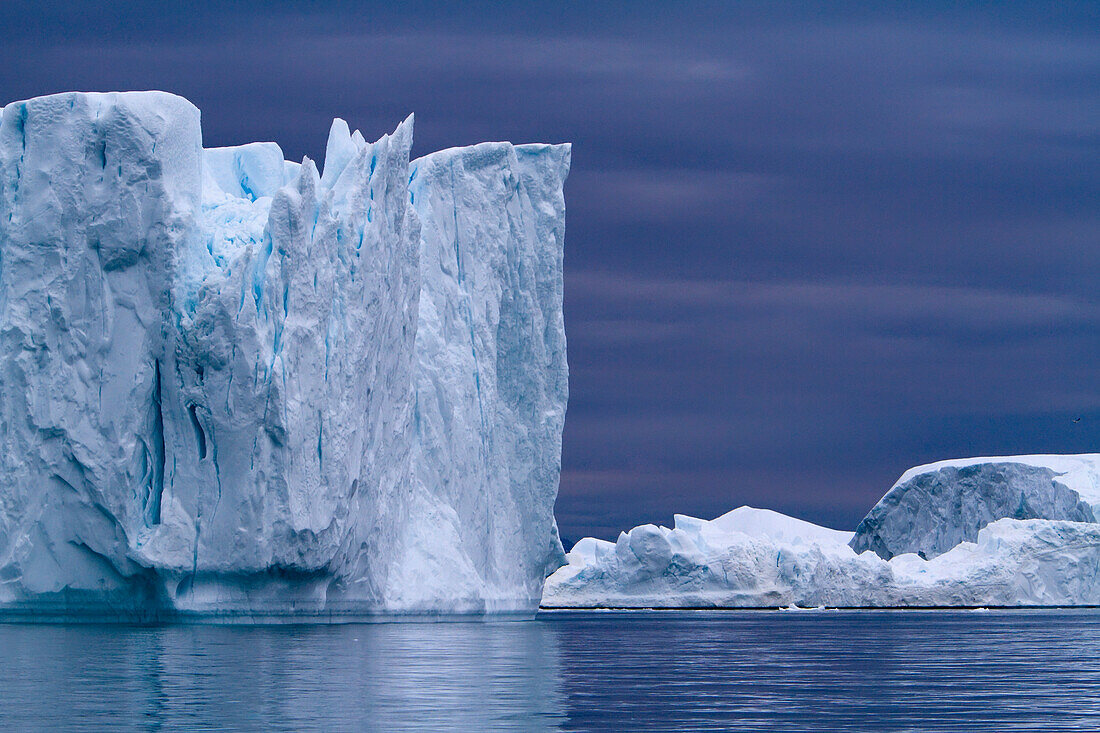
(807, 246)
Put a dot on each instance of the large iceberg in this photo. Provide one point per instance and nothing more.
(236, 387)
(752, 558)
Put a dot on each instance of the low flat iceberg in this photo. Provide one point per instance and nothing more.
(237, 387)
(753, 558)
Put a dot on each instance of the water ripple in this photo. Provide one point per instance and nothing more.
(683, 671)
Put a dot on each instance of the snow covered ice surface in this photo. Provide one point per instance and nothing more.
(762, 559)
(236, 388)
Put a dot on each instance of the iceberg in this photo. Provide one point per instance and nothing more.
(238, 388)
(753, 558)
(935, 507)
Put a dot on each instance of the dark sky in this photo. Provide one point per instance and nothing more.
(808, 246)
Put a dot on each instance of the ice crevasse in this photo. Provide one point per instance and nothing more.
(235, 387)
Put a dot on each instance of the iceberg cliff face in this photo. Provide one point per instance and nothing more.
(490, 385)
(233, 386)
(751, 558)
(935, 507)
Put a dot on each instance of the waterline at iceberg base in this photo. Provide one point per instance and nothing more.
(986, 532)
(238, 388)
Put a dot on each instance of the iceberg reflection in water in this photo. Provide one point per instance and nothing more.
(666, 670)
(385, 677)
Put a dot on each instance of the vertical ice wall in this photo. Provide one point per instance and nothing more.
(491, 380)
(99, 195)
(235, 386)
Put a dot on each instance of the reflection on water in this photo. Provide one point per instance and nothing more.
(838, 671)
(821, 671)
(380, 677)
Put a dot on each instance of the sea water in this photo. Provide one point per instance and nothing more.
(659, 670)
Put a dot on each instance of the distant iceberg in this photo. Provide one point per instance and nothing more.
(753, 558)
(233, 386)
(935, 507)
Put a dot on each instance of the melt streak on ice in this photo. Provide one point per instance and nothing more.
(235, 387)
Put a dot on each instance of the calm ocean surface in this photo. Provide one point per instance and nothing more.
(678, 671)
